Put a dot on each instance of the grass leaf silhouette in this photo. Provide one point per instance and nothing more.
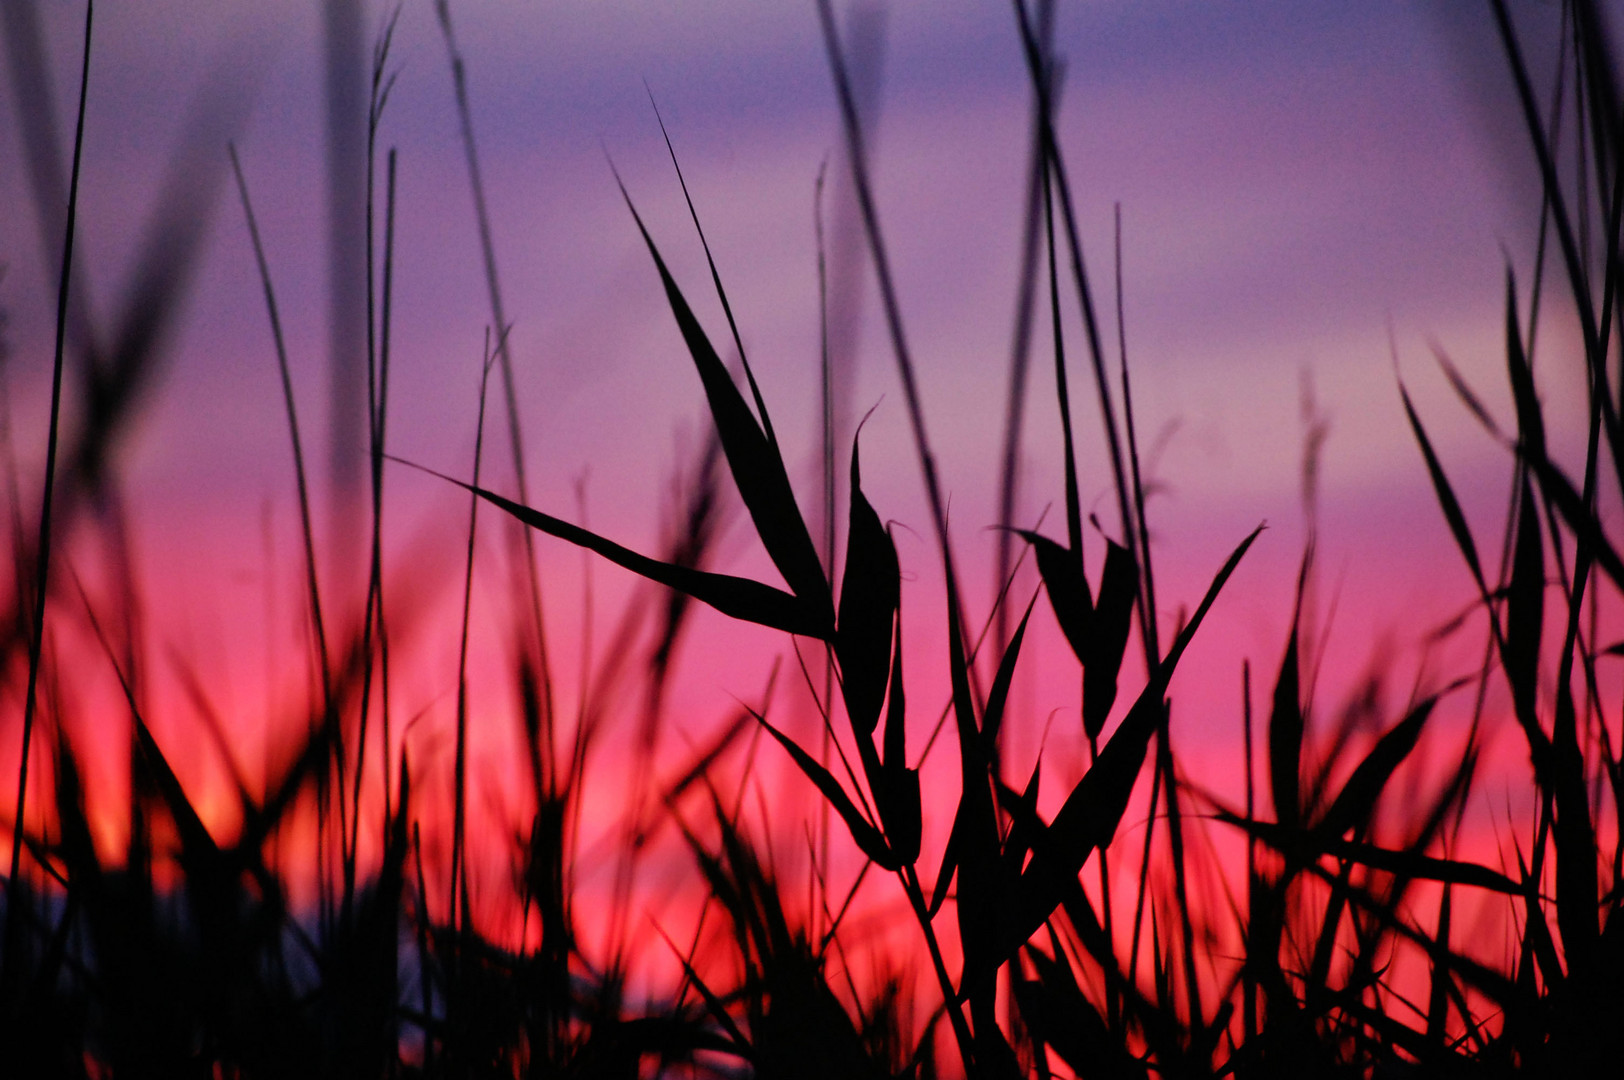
(757, 467)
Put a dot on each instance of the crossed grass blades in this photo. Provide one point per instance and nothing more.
(1339, 953)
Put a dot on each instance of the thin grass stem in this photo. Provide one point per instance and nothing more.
(487, 246)
(36, 638)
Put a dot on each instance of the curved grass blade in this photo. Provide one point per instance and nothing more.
(1525, 608)
(868, 838)
(1353, 805)
(1464, 391)
(1058, 1013)
(870, 592)
(1097, 632)
(1286, 731)
(1440, 990)
(740, 598)
(733, 1038)
(1113, 615)
(896, 731)
(716, 278)
(36, 639)
(950, 866)
(1022, 808)
(1530, 420)
(897, 795)
(1559, 490)
(1090, 815)
(1039, 70)
(998, 696)
(1446, 494)
(312, 578)
(857, 157)
(1401, 862)
(981, 882)
(901, 809)
(757, 467)
(1064, 581)
(499, 319)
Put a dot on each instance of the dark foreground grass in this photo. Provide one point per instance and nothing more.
(1336, 949)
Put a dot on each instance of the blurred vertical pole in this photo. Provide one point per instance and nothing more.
(28, 66)
(842, 311)
(346, 292)
(865, 37)
(1021, 346)
(346, 94)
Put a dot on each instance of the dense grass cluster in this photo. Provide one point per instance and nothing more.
(1337, 948)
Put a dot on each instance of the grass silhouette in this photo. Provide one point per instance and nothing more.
(1335, 950)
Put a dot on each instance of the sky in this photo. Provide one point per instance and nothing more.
(1310, 195)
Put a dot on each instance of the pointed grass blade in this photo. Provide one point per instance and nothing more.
(949, 867)
(1286, 737)
(740, 598)
(1401, 862)
(1574, 833)
(196, 843)
(981, 883)
(1446, 494)
(1353, 805)
(1113, 614)
(1057, 1012)
(870, 591)
(992, 717)
(868, 838)
(716, 279)
(1464, 391)
(1097, 632)
(901, 810)
(1581, 518)
(1530, 419)
(1440, 990)
(757, 467)
(1091, 813)
(1063, 580)
(900, 804)
(1525, 608)
(896, 728)
(74, 842)
(1025, 824)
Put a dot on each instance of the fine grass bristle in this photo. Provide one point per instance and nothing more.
(308, 532)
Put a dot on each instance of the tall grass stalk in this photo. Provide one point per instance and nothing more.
(487, 246)
(36, 638)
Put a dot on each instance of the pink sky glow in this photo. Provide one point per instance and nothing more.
(1299, 185)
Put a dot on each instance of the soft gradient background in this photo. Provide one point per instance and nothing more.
(1310, 195)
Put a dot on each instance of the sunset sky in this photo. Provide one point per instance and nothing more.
(1298, 184)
